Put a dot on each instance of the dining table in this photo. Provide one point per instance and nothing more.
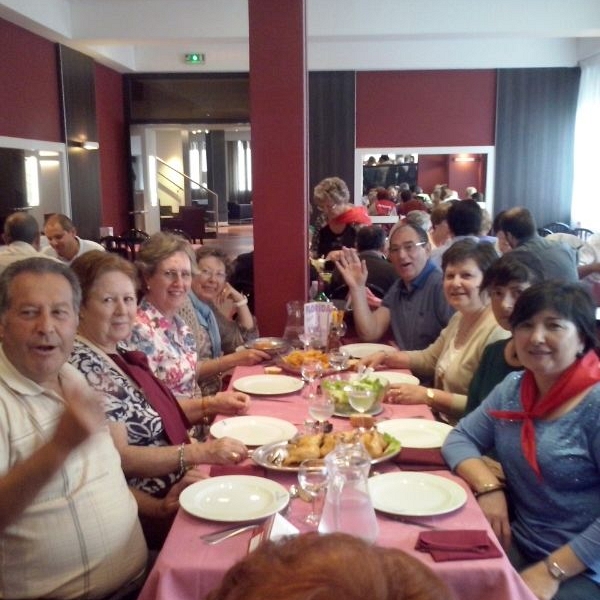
(187, 568)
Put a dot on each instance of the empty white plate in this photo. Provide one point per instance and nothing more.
(268, 385)
(397, 377)
(364, 349)
(254, 431)
(416, 433)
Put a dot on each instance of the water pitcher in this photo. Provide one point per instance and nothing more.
(294, 324)
(348, 507)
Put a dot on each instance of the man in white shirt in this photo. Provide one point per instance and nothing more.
(64, 243)
(68, 522)
(21, 238)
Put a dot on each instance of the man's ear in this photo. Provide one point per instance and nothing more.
(511, 239)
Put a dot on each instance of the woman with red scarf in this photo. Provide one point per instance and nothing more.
(343, 219)
(544, 423)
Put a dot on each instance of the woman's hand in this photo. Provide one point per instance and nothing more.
(352, 269)
(404, 393)
(373, 360)
(170, 503)
(228, 403)
(248, 357)
(224, 451)
(540, 582)
(493, 505)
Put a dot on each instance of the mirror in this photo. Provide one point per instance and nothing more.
(458, 166)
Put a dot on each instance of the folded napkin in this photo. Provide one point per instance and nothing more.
(219, 470)
(421, 459)
(457, 544)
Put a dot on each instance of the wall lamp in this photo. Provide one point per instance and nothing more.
(465, 159)
(86, 145)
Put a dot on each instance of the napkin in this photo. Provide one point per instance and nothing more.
(457, 544)
(421, 459)
(274, 528)
(218, 470)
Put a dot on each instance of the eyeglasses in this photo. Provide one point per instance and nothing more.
(173, 275)
(408, 248)
(219, 275)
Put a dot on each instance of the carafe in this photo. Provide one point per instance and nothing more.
(294, 324)
(348, 507)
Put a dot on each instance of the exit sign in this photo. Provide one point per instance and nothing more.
(194, 58)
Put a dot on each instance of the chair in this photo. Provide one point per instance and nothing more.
(543, 232)
(558, 227)
(116, 244)
(180, 233)
(193, 222)
(134, 238)
(582, 233)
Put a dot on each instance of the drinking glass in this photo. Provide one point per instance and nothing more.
(311, 370)
(338, 360)
(321, 407)
(312, 477)
(361, 400)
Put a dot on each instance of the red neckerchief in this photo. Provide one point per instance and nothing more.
(356, 214)
(578, 377)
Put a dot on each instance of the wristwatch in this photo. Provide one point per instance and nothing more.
(554, 569)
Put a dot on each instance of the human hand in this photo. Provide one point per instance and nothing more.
(405, 393)
(170, 503)
(249, 356)
(495, 467)
(494, 507)
(540, 582)
(352, 269)
(229, 403)
(224, 451)
(373, 360)
(372, 300)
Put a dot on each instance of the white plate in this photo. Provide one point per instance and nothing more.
(396, 377)
(254, 431)
(362, 350)
(416, 433)
(234, 498)
(415, 494)
(268, 385)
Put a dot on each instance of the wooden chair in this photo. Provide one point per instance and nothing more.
(193, 222)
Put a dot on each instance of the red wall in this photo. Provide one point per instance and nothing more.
(29, 94)
(425, 108)
(112, 132)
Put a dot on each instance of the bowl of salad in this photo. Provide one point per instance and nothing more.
(342, 386)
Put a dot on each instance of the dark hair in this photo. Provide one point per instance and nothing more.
(506, 270)
(572, 301)
(382, 194)
(320, 567)
(39, 266)
(497, 222)
(370, 237)
(20, 227)
(464, 218)
(483, 253)
(95, 263)
(519, 222)
(62, 220)
(406, 195)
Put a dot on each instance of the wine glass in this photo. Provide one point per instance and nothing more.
(312, 477)
(311, 370)
(321, 407)
(361, 400)
(338, 359)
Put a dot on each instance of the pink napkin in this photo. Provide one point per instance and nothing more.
(457, 544)
(421, 459)
(249, 469)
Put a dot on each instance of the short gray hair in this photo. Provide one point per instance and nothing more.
(37, 265)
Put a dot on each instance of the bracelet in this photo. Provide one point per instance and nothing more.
(242, 302)
(182, 463)
(488, 488)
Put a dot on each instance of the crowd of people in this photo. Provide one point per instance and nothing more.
(112, 371)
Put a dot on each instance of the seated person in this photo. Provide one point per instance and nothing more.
(371, 247)
(68, 522)
(544, 424)
(414, 305)
(453, 358)
(148, 426)
(319, 567)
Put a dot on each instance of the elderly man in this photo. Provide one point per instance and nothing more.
(68, 523)
(415, 305)
(21, 238)
(64, 242)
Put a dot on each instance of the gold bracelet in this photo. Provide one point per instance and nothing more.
(488, 488)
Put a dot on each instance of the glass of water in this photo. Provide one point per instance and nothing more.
(361, 400)
(338, 360)
(321, 407)
(312, 477)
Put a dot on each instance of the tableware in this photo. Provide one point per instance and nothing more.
(364, 349)
(321, 407)
(397, 377)
(416, 433)
(254, 430)
(271, 456)
(267, 385)
(233, 498)
(415, 494)
(312, 477)
(340, 385)
(361, 400)
(338, 359)
(224, 534)
(273, 346)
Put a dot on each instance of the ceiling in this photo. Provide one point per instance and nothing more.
(148, 36)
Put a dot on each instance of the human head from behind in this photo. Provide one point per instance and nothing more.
(554, 324)
(331, 196)
(39, 304)
(504, 282)
(214, 269)
(464, 265)
(408, 250)
(464, 218)
(62, 236)
(518, 225)
(370, 237)
(503, 245)
(440, 232)
(22, 227)
(108, 305)
(166, 263)
(319, 567)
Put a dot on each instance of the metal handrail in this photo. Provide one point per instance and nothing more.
(214, 195)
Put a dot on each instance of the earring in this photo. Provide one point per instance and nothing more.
(581, 353)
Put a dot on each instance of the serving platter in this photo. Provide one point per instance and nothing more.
(254, 430)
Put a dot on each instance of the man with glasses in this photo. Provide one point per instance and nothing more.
(414, 306)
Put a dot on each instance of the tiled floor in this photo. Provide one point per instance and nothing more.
(233, 239)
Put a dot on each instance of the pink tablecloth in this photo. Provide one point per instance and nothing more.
(187, 568)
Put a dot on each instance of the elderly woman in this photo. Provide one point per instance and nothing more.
(454, 356)
(220, 318)
(148, 425)
(332, 197)
(544, 423)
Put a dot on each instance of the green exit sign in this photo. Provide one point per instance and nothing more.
(194, 58)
